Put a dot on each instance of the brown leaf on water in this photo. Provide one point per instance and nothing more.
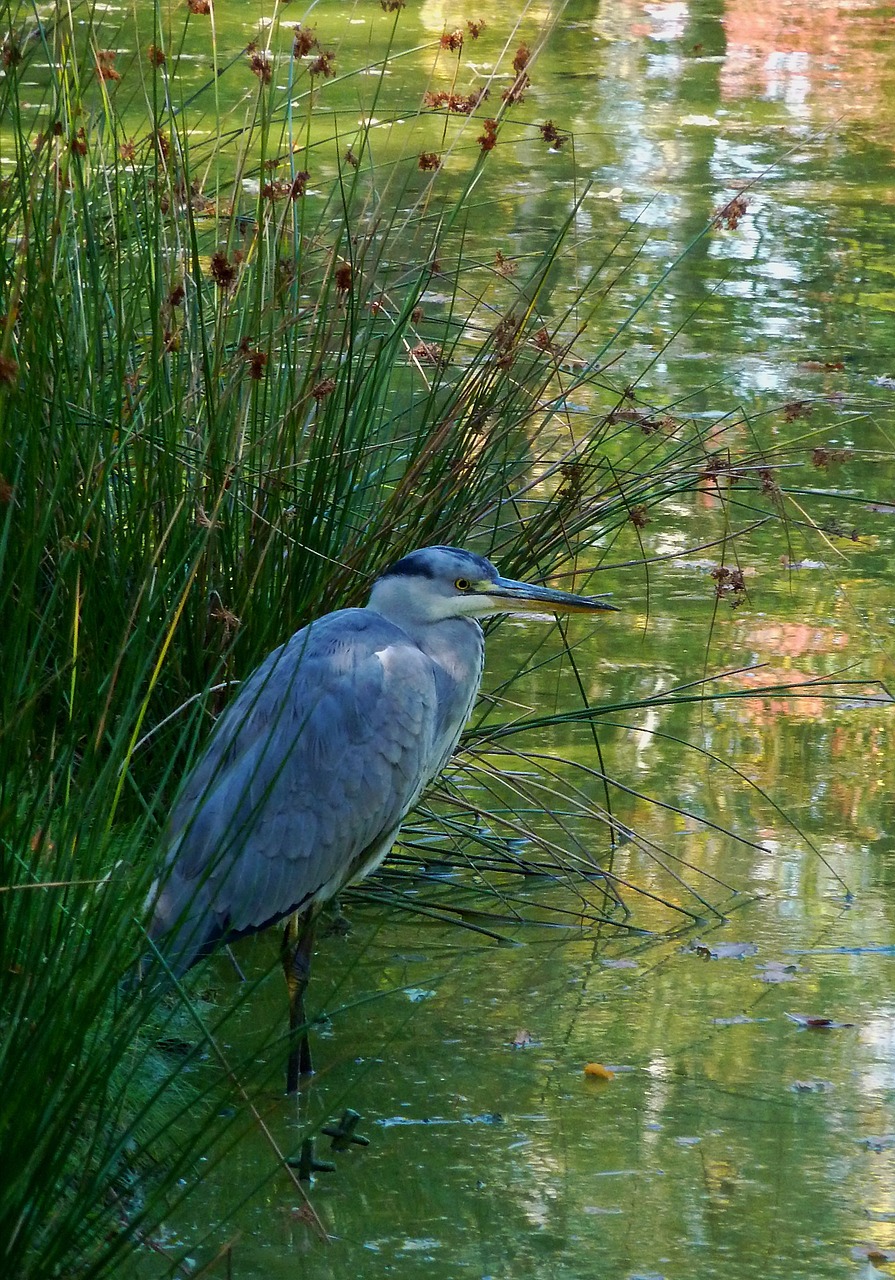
(522, 1040)
(796, 409)
(872, 1253)
(816, 1022)
(597, 1071)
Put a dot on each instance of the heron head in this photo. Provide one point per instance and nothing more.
(446, 582)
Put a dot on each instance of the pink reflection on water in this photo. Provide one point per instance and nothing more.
(816, 56)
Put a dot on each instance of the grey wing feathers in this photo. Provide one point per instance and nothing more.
(305, 779)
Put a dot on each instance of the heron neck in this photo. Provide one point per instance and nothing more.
(457, 645)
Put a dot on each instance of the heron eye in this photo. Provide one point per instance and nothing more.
(463, 584)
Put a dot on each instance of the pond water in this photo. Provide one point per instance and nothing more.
(731, 1138)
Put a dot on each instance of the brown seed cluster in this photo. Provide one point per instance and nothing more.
(303, 41)
(552, 135)
(517, 90)
(506, 335)
(201, 7)
(475, 29)
(223, 271)
(452, 40)
(105, 64)
(505, 266)
(487, 140)
(573, 475)
(428, 353)
(260, 64)
(324, 388)
(730, 585)
(286, 188)
(460, 104)
(730, 214)
(545, 343)
(822, 458)
(428, 162)
(768, 484)
(255, 359)
(300, 183)
(154, 56)
(719, 464)
(323, 64)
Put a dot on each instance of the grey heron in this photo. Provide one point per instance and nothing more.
(311, 769)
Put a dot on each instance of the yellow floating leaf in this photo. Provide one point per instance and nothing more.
(598, 1071)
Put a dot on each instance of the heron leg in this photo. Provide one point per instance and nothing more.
(298, 947)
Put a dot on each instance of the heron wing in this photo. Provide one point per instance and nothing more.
(304, 781)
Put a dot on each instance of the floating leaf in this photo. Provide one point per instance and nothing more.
(723, 950)
(883, 1142)
(778, 971)
(522, 1040)
(597, 1071)
(816, 1022)
(811, 1086)
(738, 1020)
(872, 1253)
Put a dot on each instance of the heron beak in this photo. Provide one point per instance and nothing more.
(522, 597)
